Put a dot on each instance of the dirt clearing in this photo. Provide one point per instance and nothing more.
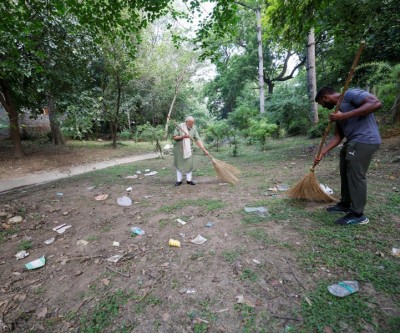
(247, 276)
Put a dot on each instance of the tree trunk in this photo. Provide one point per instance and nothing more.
(396, 109)
(260, 61)
(169, 115)
(9, 106)
(57, 138)
(178, 82)
(271, 86)
(114, 126)
(312, 77)
(115, 122)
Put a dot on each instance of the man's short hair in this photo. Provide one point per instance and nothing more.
(323, 92)
(189, 118)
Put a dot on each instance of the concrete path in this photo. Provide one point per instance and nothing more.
(48, 176)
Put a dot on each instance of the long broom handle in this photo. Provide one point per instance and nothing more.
(178, 127)
(345, 87)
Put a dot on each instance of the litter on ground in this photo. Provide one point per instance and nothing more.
(21, 255)
(261, 211)
(124, 201)
(181, 221)
(61, 228)
(101, 197)
(115, 258)
(199, 240)
(344, 288)
(36, 263)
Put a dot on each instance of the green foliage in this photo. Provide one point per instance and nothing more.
(289, 107)
(125, 135)
(260, 130)
(146, 132)
(218, 131)
(317, 130)
(384, 78)
(81, 117)
(247, 108)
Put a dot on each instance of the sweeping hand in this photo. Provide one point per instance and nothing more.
(205, 152)
(337, 116)
(186, 136)
(317, 159)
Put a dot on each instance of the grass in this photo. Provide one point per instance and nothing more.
(350, 253)
(232, 255)
(206, 203)
(248, 274)
(248, 316)
(328, 311)
(102, 315)
(201, 314)
(24, 245)
(5, 233)
(92, 238)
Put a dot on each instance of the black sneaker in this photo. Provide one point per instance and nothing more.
(191, 182)
(351, 219)
(178, 183)
(338, 208)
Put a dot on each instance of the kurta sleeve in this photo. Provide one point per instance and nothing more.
(196, 135)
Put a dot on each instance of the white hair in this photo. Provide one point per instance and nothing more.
(189, 118)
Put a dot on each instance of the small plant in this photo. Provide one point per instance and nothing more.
(35, 216)
(21, 211)
(232, 255)
(92, 238)
(105, 311)
(163, 222)
(24, 245)
(39, 291)
(248, 274)
(197, 255)
(248, 316)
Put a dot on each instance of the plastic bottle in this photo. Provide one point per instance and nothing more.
(138, 231)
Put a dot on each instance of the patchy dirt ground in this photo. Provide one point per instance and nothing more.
(155, 287)
(47, 157)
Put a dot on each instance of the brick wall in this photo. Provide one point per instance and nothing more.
(31, 127)
(28, 127)
(5, 123)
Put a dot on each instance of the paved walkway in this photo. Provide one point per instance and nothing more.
(48, 176)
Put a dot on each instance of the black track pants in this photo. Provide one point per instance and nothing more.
(355, 159)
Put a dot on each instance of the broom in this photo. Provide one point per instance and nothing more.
(309, 188)
(226, 172)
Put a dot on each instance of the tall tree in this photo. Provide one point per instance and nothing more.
(23, 29)
(312, 76)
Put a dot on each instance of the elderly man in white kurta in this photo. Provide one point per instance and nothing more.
(183, 157)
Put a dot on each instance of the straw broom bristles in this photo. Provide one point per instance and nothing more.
(309, 189)
(226, 172)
